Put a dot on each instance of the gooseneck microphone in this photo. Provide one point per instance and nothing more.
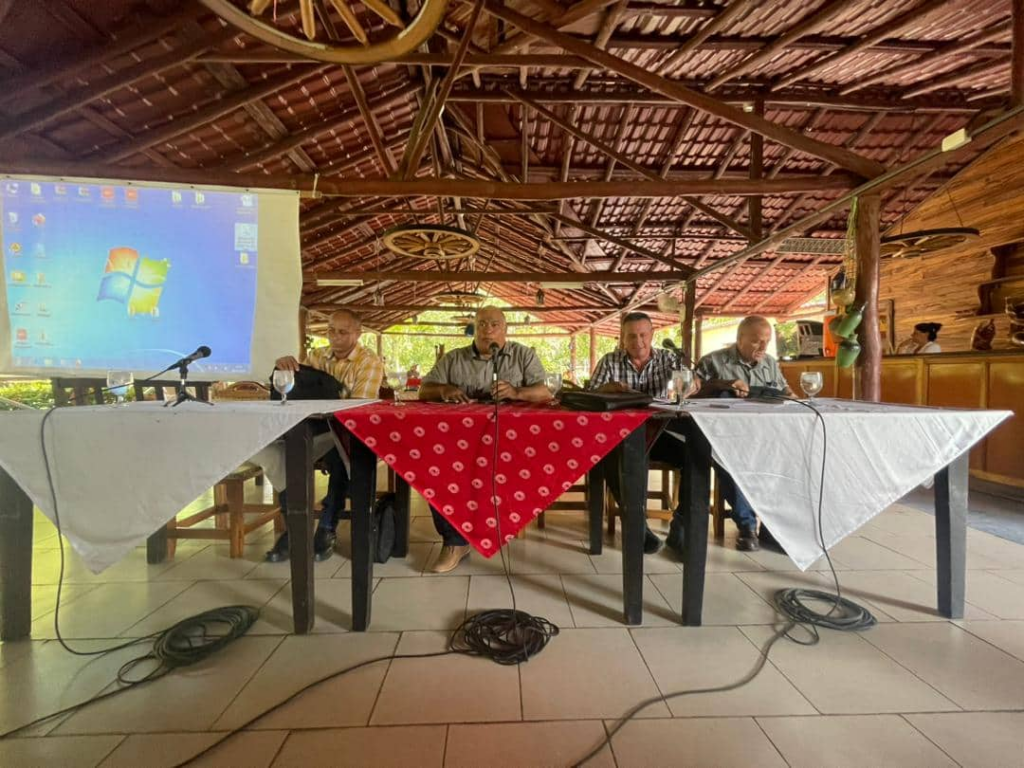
(200, 353)
(671, 346)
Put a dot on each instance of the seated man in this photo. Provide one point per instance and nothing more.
(466, 374)
(360, 372)
(731, 372)
(638, 366)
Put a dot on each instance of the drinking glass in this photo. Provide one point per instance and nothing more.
(397, 380)
(284, 381)
(682, 382)
(118, 383)
(553, 381)
(811, 383)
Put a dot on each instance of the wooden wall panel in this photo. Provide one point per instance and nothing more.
(960, 385)
(1005, 446)
(900, 380)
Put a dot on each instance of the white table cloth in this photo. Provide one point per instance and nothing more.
(119, 473)
(877, 453)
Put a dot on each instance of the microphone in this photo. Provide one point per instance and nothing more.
(671, 346)
(494, 349)
(200, 353)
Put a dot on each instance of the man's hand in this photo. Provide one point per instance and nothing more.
(286, 363)
(694, 388)
(502, 390)
(452, 394)
(740, 388)
(613, 386)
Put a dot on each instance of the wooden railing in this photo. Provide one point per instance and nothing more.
(957, 380)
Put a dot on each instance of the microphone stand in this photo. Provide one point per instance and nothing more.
(183, 395)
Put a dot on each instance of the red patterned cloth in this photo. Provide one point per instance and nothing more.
(450, 453)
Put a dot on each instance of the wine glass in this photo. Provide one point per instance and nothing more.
(553, 381)
(396, 379)
(284, 381)
(811, 383)
(682, 382)
(118, 383)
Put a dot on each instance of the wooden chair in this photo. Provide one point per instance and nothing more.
(668, 496)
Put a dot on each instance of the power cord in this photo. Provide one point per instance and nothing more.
(793, 603)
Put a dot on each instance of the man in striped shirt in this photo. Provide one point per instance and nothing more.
(637, 366)
(360, 372)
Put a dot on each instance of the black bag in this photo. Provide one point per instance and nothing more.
(384, 528)
(311, 384)
(582, 400)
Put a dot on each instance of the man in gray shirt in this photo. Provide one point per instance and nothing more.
(466, 374)
(731, 372)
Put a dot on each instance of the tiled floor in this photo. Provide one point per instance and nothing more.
(917, 690)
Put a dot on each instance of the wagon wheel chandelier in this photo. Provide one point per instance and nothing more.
(431, 242)
(377, 33)
(925, 242)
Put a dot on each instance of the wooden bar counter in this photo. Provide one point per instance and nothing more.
(954, 380)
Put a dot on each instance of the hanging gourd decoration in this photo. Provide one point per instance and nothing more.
(844, 326)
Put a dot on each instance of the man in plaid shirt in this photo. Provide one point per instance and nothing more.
(637, 366)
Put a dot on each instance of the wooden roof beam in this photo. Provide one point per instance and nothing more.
(1017, 62)
(43, 114)
(387, 162)
(621, 242)
(461, 276)
(448, 308)
(957, 76)
(721, 20)
(889, 29)
(809, 24)
(949, 49)
(859, 165)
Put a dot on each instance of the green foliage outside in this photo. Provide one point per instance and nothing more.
(37, 394)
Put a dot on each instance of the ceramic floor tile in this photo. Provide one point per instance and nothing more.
(47, 678)
(164, 750)
(67, 751)
(445, 689)
(686, 658)
(332, 609)
(205, 596)
(976, 739)
(588, 673)
(989, 591)
(922, 549)
(861, 554)
(133, 567)
(538, 595)
(966, 669)
(767, 583)
(474, 565)
(899, 595)
(724, 743)
(549, 556)
(596, 601)
(1005, 635)
(109, 610)
(300, 660)
(845, 674)
(610, 559)
(411, 565)
(324, 569)
(44, 597)
(770, 560)
(1007, 555)
(853, 742)
(15, 650)
(905, 521)
(207, 687)
(215, 563)
(421, 746)
(727, 599)
(1016, 576)
(526, 745)
(404, 604)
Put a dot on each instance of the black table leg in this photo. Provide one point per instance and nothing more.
(632, 467)
(298, 443)
(156, 546)
(595, 506)
(15, 560)
(402, 519)
(951, 535)
(364, 487)
(696, 484)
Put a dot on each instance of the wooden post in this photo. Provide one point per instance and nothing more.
(756, 172)
(303, 322)
(572, 355)
(868, 375)
(697, 335)
(380, 344)
(593, 349)
(686, 325)
(1017, 64)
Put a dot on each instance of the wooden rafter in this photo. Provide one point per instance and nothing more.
(422, 276)
(721, 20)
(959, 75)
(683, 95)
(369, 120)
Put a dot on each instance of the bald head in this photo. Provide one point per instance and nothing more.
(343, 332)
(752, 338)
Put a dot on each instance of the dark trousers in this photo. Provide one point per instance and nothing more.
(666, 449)
(450, 536)
(337, 490)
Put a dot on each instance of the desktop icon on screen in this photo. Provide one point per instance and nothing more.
(40, 278)
(12, 217)
(200, 198)
(83, 191)
(15, 249)
(60, 189)
(131, 195)
(17, 276)
(243, 258)
(21, 334)
(11, 187)
(36, 189)
(175, 196)
(107, 193)
(247, 201)
(38, 220)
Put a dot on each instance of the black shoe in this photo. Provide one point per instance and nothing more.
(676, 539)
(651, 542)
(764, 536)
(323, 543)
(280, 551)
(747, 542)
